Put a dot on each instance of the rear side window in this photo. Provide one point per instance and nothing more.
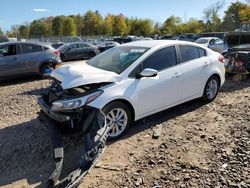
(202, 52)
(30, 48)
(83, 45)
(189, 53)
(161, 59)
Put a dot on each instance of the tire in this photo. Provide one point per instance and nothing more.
(42, 68)
(120, 126)
(211, 89)
(91, 54)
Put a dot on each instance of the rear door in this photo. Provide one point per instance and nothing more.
(73, 53)
(30, 57)
(10, 60)
(194, 66)
(83, 51)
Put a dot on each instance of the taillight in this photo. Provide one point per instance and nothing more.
(57, 52)
(221, 58)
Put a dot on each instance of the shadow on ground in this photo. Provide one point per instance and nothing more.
(19, 80)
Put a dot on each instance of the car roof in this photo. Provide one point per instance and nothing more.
(209, 38)
(35, 43)
(155, 43)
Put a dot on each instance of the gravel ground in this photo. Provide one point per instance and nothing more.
(199, 145)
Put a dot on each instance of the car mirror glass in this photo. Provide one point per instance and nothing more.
(148, 73)
(1, 55)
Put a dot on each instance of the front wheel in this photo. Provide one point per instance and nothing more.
(211, 89)
(118, 119)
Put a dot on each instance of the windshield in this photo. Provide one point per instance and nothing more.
(117, 59)
(202, 41)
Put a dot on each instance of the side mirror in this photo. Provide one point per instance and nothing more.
(1, 55)
(148, 73)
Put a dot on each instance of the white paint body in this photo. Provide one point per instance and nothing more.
(148, 95)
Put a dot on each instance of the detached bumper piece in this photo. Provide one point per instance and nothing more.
(94, 133)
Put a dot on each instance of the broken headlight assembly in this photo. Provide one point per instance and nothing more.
(62, 105)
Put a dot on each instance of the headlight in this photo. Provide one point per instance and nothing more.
(74, 103)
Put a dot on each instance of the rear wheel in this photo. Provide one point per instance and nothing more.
(118, 119)
(211, 89)
(44, 70)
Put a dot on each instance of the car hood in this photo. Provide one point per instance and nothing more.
(80, 73)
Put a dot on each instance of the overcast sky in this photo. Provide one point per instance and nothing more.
(20, 11)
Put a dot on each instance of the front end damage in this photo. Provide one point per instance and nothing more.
(237, 57)
(67, 109)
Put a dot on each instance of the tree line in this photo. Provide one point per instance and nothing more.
(92, 23)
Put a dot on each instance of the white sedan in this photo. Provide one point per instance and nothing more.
(135, 80)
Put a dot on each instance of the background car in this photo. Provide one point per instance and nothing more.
(57, 45)
(135, 80)
(107, 45)
(77, 51)
(19, 58)
(213, 43)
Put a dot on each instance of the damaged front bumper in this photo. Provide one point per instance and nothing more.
(91, 123)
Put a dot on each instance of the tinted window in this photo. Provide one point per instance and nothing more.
(83, 45)
(30, 48)
(74, 46)
(8, 50)
(188, 53)
(202, 52)
(161, 59)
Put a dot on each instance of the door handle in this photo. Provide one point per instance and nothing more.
(207, 63)
(177, 75)
(14, 58)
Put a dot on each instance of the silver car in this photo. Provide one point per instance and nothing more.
(19, 58)
(213, 43)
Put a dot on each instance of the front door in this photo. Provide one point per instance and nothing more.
(164, 90)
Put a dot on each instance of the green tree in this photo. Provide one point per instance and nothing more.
(79, 22)
(24, 31)
(141, 27)
(1, 32)
(93, 23)
(171, 26)
(69, 27)
(108, 25)
(38, 28)
(120, 26)
(234, 16)
(211, 16)
(57, 25)
(192, 26)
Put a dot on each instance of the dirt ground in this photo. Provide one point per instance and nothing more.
(200, 145)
